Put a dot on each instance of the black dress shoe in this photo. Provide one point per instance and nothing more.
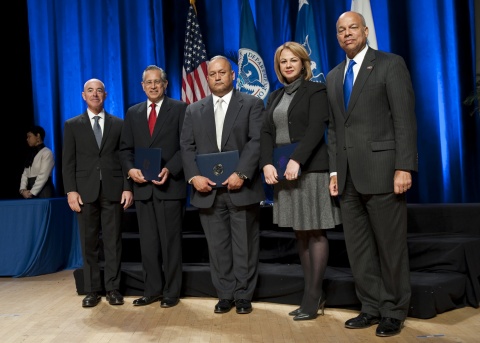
(114, 297)
(91, 300)
(243, 306)
(389, 327)
(169, 302)
(295, 312)
(223, 306)
(363, 320)
(146, 300)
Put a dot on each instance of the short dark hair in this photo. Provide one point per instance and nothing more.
(35, 129)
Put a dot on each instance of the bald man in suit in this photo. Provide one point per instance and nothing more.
(98, 190)
(373, 151)
(229, 214)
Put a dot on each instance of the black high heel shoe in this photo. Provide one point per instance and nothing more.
(309, 316)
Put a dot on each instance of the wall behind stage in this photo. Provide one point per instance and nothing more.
(71, 41)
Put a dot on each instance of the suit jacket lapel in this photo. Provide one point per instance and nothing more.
(276, 100)
(208, 118)
(234, 107)
(363, 74)
(142, 122)
(161, 117)
(106, 128)
(89, 129)
(338, 87)
(297, 97)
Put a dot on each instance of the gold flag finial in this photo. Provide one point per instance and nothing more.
(192, 2)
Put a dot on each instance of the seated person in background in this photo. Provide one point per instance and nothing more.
(36, 179)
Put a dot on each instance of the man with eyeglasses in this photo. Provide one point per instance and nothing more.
(372, 142)
(160, 203)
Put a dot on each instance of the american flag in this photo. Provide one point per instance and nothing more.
(194, 73)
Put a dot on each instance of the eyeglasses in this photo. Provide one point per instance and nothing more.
(150, 83)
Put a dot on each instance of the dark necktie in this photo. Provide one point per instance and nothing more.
(152, 118)
(97, 130)
(348, 83)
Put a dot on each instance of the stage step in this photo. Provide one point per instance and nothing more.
(445, 273)
(432, 293)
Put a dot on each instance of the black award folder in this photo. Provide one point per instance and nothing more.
(281, 156)
(218, 166)
(149, 161)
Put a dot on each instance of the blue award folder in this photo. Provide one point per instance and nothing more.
(281, 156)
(149, 161)
(218, 166)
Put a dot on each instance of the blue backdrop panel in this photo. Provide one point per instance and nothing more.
(38, 236)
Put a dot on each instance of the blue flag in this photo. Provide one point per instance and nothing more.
(252, 75)
(306, 35)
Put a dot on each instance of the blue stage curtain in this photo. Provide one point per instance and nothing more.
(114, 40)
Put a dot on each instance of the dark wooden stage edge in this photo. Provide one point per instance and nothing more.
(444, 248)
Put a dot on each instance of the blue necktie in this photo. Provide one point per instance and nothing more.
(348, 83)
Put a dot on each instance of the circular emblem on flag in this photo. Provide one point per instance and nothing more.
(218, 169)
(252, 75)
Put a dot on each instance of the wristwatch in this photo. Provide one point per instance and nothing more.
(241, 175)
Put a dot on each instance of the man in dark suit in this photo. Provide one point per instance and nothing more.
(229, 214)
(373, 151)
(160, 204)
(97, 189)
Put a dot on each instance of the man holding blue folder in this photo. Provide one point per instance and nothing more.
(159, 202)
(227, 120)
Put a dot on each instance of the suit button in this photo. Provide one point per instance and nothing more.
(344, 148)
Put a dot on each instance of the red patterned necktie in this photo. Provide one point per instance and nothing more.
(152, 118)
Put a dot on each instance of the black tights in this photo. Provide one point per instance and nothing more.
(313, 251)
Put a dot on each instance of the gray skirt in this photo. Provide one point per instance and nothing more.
(305, 203)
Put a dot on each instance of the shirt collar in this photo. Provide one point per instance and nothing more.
(227, 97)
(358, 57)
(159, 104)
(91, 114)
